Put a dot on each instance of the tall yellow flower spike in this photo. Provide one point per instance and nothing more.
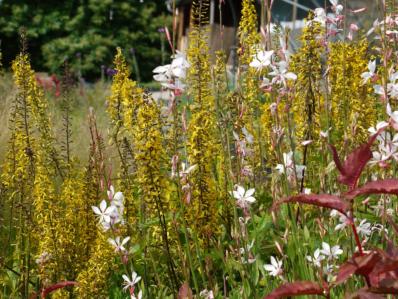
(202, 142)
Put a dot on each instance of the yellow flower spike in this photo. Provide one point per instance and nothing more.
(352, 105)
(202, 145)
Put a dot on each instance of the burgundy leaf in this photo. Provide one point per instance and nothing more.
(346, 270)
(296, 289)
(388, 186)
(393, 224)
(320, 200)
(386, 266)
(185, 292)
(353, 165)
(364, 294)
(58, 285)
(388, 286)
(359, 264)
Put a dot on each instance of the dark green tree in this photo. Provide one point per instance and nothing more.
(86, 32)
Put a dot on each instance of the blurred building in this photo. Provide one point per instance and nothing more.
(287, 13)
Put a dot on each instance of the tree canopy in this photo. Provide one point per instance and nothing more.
(86, 32)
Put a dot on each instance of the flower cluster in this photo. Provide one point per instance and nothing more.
(171, 76)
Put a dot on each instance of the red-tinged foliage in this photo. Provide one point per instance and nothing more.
(296, 289)
(185, 292)
(359, 264)
(59, 285)
(364, 294)
(394, 226)
(388, 186)
(354, 164)
(320, 200)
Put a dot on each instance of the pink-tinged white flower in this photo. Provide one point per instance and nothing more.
(364, 228)
(378, 89)
(171, 75)
(324, 134)
(331, 252)
(320, 16)
(379, 126)
(353, 28)
(206, 294)
(275, 268)
(338, 8)
(280, 74)
(316, 259)
(186, 170)
(243, 198)
(103, 212)
(261, 59)
(387, 148)
(288, 167)
(117, 201)
(179, 65)
(119, 245)
(393, 114)
(344, 222)
(370, 74)
(130, 283)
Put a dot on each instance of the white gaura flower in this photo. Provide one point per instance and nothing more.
(364, 228)
(378, 89)
(117, 201)
(179, 65)
(103, 212)
(338, 8)
(289, 167)
(280, 73)
(243, 198)
(119, 245)
(186, 170)
(316, 259)
(171, 75)
(331, 252)
(275, 268)
(320, 16)
(393, 114)
(370, 74)
(344, 222)
(129, 283)
(261, 59)
(379, 126)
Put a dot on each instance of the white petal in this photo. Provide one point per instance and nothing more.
(125, 240)
(103, 205)
(126, 278)
(274, 262)
(241, 191)
(250, 192)
(250, 199)
(96, 210)
(119, 196)
(162, 68)
(269, 267)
